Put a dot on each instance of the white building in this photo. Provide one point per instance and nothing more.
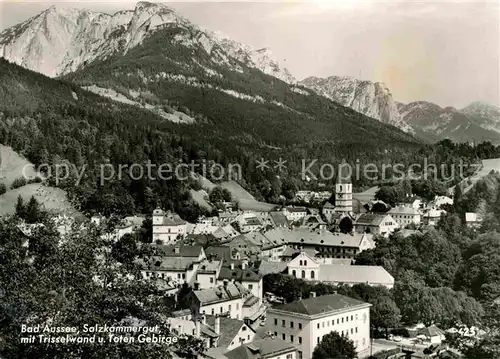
(432, 216)
(294, 213)
(376, 224)
(303, 323)
(265, 348)
(227, 300)
(167, 226)
(405, 215)
(244, 275)
(306, 267)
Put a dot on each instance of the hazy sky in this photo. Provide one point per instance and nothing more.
(440, 51)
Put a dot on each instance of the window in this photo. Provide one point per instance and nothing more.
(317, 340)
(283, 324)
(211, 279)
(289, 356)
(352, 331)
(300, 340)
(337, 320)
(275, 334)
(229, 307)
(237, 306)
(342, 320)
(300, 262)
(299, 355)
(291, 324)
(275, 321)
(303, 274)
(221, 310)
(183, 275)
(294, 273)
(244, 328)
(213, 311)
(356, 329)
(318, 325)
(333, 322)
(346, 319)
(300, 325)
(305, 263)
(312, 274)
(323, 324)
(352, 317)
(283, 336)
(250, 286)
(291, 339)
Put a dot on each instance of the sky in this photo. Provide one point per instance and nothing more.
(446, 52)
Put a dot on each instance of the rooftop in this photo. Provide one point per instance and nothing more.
(321, 305)
(239, 274)
(342, 273)
(315, 237)
(179, 251)
(404, 210)
(221, 293)
(261, 348)
(371, 219)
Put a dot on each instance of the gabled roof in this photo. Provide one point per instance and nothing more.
(351, 274)
(261, 348)
(315, 237)
(219, 253)
(220, 294)
(370, 219)
(403, 210)
(295, 209)
(229, 328)
(278, 218)
(321, 305)
(267, 267)
(180, 250)
(170, 219)
(239, 274)
(166, 263)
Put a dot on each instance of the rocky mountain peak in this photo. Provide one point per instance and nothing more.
(369, 98)
(61, 40)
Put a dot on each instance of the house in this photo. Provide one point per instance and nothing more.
(405, 215)
(243, 245)
(376, 224)
(207, 274)
(306, 267)
(303, 323)
(175, 264)
(433, 334)
(167, 227)
(473, 220)
(250, 224)
(244, 275)
(311, 221)
(432, 216)
(278, 219)
(328, 211)
(327, 244)
(266, 348)
(414, 202)
(294, 213)
(268, 267)
(227, 300)
(222, 253)
(439, 201)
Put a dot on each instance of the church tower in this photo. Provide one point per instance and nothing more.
(343, 190)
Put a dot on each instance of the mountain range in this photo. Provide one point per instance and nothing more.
(427, 121)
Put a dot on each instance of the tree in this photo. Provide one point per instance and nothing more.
(3, 188)
(32, 212)
(20, 207)
(125, 249)
(216, 195)
(333, 345)
(345, 225)
(71, 283)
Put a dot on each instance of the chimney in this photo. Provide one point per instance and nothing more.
(232, 266)
(177, 250)
(244, 264)
(217, 325)
(196, 285)
(313, 294)
(198, 329)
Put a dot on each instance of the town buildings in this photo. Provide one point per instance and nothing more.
(167, 227)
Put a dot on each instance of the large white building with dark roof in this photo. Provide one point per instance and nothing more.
(167, 227)
(303, 323)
